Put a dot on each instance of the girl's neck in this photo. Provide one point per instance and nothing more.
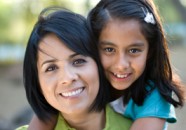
(116, 94)
(89, 121)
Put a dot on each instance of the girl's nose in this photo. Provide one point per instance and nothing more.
(122, 63)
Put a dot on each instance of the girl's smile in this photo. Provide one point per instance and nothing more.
(121, 77)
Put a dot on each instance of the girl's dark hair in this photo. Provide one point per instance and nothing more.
(72, 30)
(158, 68)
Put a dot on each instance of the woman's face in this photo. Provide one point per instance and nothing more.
(123, 50)
(69, 81)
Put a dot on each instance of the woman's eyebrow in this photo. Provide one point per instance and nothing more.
(54, 59)
(73, 55)
(48, 61)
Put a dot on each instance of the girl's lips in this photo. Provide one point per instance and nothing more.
(120, 77)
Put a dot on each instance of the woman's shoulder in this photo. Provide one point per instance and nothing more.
(116, 121)
(25, 127)
(62, 124)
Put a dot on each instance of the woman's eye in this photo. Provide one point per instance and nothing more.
(51, 68)
(79, 62)
(109, 49)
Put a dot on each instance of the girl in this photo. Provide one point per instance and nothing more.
(63, 75)
(134, 54)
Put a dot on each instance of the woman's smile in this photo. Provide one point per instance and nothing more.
(72, 93)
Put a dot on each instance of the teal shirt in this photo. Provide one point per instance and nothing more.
(114, 121)
(154, 105)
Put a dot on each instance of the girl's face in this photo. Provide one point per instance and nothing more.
(123, 50)
(69, 81)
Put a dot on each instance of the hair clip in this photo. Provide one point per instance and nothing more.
(149, 18)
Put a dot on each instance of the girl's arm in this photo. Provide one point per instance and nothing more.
(37, 124)
(148, 123)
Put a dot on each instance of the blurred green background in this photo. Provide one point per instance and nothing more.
(17, 18)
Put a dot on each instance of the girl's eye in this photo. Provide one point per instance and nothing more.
(134, 50)
(51, 68)
(79, 62)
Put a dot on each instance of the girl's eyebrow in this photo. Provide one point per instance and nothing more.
(106, 43)
(138, 44)
(112, 44)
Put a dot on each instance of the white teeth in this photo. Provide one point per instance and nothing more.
(121, 76)
(73, 93)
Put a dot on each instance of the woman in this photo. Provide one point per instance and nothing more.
(63, 76)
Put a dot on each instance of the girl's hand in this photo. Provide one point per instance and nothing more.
(149, 123)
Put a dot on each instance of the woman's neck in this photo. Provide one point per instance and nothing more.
(89, 121)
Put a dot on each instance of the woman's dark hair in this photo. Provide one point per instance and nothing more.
(72, 30)
(158, 68)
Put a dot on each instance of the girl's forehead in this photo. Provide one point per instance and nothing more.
(126, 26)
(126, 33)
(122, 23)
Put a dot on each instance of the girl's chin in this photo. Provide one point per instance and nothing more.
(120, 86)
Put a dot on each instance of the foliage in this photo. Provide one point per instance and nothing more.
(5, 21)
(18, 17)
(168, 12)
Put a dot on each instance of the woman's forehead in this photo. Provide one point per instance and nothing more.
(52, 46)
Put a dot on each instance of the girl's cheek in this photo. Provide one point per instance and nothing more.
(105, 61)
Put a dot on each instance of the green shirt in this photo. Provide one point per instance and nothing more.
(114, 121)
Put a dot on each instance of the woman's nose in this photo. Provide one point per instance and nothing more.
(68, 76)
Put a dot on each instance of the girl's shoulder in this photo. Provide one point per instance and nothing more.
(154, 105)
(118, 105)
